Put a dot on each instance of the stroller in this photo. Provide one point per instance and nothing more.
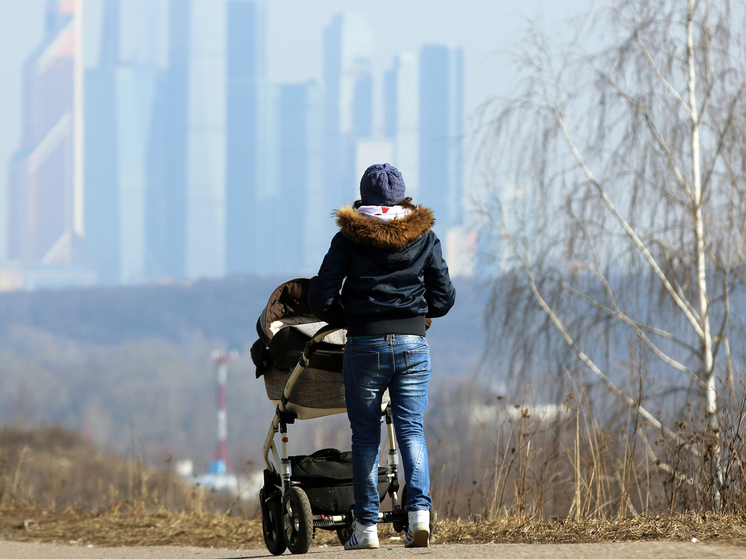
(300, 360)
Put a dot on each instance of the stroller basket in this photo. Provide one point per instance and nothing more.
(326, 477)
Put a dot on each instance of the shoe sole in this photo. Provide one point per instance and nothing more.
(420, 538)
(366, 546)
(363, 544)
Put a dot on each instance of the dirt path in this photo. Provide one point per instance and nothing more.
(634, 550)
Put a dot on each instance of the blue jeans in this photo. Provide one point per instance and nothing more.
(371, 365)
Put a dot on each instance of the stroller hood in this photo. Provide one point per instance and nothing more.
(287, 301)
(285, 325)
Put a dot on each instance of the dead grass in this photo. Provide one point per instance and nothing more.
(25, 523)
(512, 529)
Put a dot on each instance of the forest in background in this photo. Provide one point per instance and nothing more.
(130, 368)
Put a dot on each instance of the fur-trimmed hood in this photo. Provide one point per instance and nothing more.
(395, 234)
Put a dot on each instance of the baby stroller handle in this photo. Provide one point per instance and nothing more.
(281, 411)
(323, 332)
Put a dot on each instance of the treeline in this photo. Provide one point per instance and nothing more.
(131, 369)
(225, 309)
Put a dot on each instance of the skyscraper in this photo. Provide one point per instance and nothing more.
(166, 193)
(252, 182)
(441, 133)
(402, 117)
(348, 100)
(206, 139)
(120, 103)
(101, 172)
(187, 156)
(46, 173)
(305, 234)
(144, 32)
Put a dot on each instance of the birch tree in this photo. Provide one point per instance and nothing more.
(630, 162)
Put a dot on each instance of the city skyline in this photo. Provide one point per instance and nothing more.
(361, 133)
(45, 182)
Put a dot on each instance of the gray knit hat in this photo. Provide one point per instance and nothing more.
(382, 185)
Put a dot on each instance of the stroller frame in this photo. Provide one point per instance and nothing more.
(287, 517)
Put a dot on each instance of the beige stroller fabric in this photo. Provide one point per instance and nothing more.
(317, 392)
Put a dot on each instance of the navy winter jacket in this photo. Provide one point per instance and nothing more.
(391, 275)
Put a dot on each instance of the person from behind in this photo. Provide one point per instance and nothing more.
(383, 278)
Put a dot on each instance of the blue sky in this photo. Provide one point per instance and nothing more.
(486, 29)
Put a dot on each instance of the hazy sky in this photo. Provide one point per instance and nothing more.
(484, 28)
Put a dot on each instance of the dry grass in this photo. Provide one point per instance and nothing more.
(54, 469)
(56, 488)
(527, 530)
(25, 523)
(584, 458)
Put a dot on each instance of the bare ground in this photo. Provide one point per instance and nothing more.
(625, 550)
(29, 532)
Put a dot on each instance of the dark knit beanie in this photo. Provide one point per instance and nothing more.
(382, 185)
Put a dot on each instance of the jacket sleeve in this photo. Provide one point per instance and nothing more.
(323, 295)
(439, 291)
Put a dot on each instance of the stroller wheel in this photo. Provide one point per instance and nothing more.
(297, 520)
(272, 524)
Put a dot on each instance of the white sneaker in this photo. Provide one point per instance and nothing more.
(363, 537)
(418, 532)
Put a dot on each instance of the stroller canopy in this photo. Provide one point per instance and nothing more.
(285, 325)
(288, 307)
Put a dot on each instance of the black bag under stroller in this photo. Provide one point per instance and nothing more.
(300, 360)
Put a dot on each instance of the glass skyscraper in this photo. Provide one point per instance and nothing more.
(185, 199)
(402, 118)
(441, 133)
(166, 195)
(306, 231)
(120, 109)
(206, 139)
(348, 101)
(252, 182)
(45, 195)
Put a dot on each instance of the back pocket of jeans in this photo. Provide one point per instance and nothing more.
(418, 360)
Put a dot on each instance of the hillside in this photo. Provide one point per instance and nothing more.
(222, 309)
(132, 366)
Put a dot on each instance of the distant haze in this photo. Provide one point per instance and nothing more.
(484, 28)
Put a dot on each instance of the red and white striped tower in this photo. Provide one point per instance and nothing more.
(221, 361)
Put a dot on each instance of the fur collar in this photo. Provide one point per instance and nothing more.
(385, 234)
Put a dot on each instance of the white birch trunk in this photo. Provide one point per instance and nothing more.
(708, 370)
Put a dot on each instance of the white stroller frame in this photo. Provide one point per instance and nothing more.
(298, 522)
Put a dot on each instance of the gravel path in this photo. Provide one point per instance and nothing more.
(635, 550)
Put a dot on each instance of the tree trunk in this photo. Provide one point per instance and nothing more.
(708, 369)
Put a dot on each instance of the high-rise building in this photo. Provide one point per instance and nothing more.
(120, 103)
(101, 249)
(441, 126)
(206, 139)
(144, 32)
(46, 173)
(185, 221)
(348, 101)
(304, 236)
(252, 181)
(166, 192)
(402, 118)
